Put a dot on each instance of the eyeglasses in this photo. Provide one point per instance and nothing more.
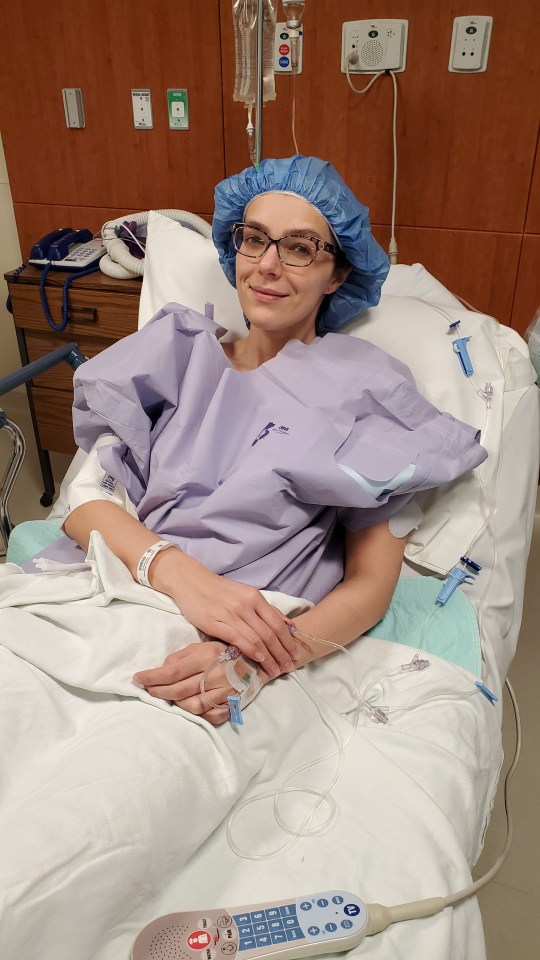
(294, 250)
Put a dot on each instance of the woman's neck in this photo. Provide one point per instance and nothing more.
(259, 346)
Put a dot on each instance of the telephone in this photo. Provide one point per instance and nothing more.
(66, 249)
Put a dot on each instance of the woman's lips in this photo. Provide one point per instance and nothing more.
(267, 296)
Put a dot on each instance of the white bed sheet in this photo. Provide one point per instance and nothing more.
(113, 804)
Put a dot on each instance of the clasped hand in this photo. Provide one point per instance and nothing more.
(224, 610)
(178, 680)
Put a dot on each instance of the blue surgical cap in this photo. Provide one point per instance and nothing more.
(321, 185)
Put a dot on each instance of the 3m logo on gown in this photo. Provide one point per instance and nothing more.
(266, 430)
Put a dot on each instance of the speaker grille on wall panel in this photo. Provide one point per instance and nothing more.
(372, 53)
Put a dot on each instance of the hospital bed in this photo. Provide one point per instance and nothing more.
(115, 807)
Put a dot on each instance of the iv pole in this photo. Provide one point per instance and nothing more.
(259, 90)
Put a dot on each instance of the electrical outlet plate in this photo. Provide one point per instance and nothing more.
(470, 44)
(379, 45)
(142, 109)
(282, 50)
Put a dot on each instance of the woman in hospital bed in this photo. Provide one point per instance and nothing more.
(285, 460)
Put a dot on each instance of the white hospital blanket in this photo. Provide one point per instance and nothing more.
(113, 804)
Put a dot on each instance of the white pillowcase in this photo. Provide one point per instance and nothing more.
(412, 323)
(182, 266)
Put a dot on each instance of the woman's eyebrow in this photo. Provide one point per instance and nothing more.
(295, 231)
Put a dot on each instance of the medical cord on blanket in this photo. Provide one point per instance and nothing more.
(380, 916)
(379, 714)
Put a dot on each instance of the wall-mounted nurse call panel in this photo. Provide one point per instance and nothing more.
(372, 45)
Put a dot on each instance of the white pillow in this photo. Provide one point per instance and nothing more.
(183, 267)
(415, 281)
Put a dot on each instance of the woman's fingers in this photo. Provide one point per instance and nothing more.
(264, 636)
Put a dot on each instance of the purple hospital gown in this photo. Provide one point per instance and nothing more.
(256, 474)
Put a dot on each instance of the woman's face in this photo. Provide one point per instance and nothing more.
(277, 298)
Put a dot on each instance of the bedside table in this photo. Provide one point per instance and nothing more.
(101, 311)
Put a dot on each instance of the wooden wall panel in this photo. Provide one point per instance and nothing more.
(533, 212)
(466, 143)
(107, 48)
(527, 300)
(479, 266)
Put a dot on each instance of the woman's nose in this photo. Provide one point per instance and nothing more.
(270, 262)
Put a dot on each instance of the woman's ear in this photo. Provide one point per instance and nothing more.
(340, 276)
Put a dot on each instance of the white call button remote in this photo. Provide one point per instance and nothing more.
(327, 922)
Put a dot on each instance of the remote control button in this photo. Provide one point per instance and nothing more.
(272, 913)
(199, 939)
(224, 921)
(330, 927)
(228, 949)
(295, 934)
(279, 937)
(322, 902)
(288, 911)
(305, 905)
(346, 924)
(290, 922)
(313, 931)
(257, 915)
(207, 954)
(204, 923)
(242, 918)
(248, 943)
(259, 928)
(352, 909)
(265, 940)
(337, 900)
(245, 930)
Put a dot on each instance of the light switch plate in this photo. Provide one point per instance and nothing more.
(73, 107)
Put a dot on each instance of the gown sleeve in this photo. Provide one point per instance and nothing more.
(378, 440)
(130, 391)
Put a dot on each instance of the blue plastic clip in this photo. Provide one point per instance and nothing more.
(460, 348)
(486, 691)
(456, 577)
(236, 710)
(455, 324)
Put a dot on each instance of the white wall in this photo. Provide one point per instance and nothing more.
(10, 258)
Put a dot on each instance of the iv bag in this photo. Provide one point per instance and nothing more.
(245, 42)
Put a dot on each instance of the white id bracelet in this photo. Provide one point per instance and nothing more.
(143, 565)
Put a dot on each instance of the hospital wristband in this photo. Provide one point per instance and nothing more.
(143, 565)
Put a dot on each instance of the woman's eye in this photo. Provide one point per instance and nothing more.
(253, 240)
(301, 249)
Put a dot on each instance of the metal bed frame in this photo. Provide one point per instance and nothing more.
(69, 353)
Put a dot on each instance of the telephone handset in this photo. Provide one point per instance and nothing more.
(66, 249)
